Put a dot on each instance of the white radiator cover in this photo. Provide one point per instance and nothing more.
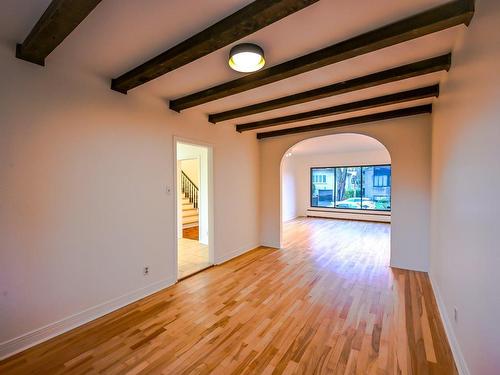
(381, 216)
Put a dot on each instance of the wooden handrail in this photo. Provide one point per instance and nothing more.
(189, 189)
(191, 181)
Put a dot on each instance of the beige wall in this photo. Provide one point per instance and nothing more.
(84, 205)
(408, 141)
(465, 257)
(191, 167)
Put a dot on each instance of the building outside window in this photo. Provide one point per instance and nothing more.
(322, 184)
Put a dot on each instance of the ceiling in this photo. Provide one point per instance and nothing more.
(121, 34)
(337, 143)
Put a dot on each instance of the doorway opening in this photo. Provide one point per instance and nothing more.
(341, 177)
(194, 207)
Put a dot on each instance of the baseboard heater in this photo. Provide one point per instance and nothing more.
(379, 216)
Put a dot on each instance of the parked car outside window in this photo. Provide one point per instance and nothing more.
(355, 203)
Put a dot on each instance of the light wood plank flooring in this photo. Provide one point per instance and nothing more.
(325, 304)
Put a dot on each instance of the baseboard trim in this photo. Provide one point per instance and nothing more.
(407, 267)
(37, 336)
(450, 333)
(234, 254)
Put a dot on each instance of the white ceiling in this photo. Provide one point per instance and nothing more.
(120, 34)
(337, 143)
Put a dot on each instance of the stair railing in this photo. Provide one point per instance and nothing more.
(189, 189)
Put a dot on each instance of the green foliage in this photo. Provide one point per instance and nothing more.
(351, 193)
(382, 203)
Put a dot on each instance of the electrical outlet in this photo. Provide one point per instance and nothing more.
(146, 271)
(455, 314)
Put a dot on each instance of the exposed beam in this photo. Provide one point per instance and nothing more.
(59, 19)
(245, 21)
(439, 18)
(426, 108)
(400, 97)
(419, 68)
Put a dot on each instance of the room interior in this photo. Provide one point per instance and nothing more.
(306, 157)
(95, 99)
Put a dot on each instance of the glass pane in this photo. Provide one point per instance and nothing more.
(322, 185)
(377, 188)
(348, 188)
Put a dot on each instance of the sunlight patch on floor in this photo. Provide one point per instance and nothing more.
(192, 256)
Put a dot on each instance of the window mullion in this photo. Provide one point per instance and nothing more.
(334, 187)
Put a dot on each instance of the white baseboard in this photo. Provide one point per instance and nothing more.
(450, 333)
(379, 217)
(23, 342)
(234, 254)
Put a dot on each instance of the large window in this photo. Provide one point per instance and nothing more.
(355, 188)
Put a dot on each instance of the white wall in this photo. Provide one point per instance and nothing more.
(289, 186)
(408, 141)
(300, 167)
(465, 258)
(84, 206)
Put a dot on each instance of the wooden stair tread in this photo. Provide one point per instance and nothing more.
(190, 214)
(188, 220)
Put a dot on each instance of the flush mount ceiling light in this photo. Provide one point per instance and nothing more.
(246, 57)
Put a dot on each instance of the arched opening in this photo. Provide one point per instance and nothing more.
(333, 182)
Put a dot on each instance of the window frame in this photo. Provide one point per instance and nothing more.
(361, 187)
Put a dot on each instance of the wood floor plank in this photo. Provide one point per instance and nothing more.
(327, 303)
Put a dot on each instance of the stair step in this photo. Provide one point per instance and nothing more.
(190, 220)
(189, 214)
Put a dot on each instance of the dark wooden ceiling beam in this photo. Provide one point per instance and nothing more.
(399, 73)
(59, 19)
(400, 97)
(426, 108)
(245, 21)
(439, 18)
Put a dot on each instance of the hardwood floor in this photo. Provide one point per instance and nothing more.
(326, 304)
(191, 233)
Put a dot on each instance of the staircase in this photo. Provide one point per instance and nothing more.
(189, 214)
(189, 202)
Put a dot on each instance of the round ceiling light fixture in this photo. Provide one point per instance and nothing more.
(246, 57)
